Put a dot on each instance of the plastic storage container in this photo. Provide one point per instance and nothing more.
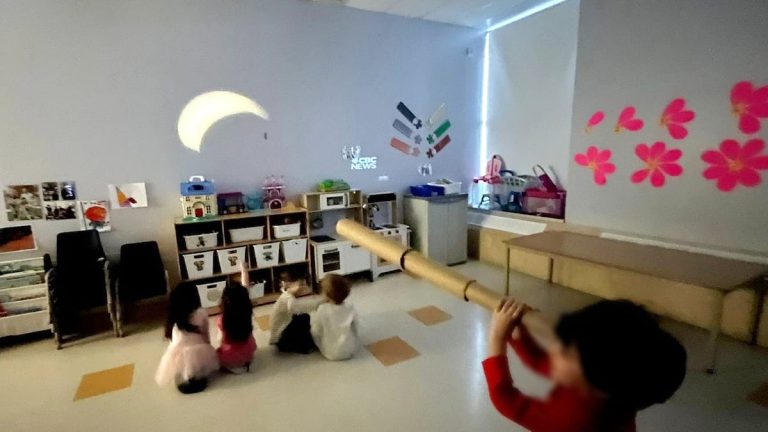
(201, 241)
(257, 290)
(445, 189)
(294, 250)
(289, 230)
(237, 235)
(199, 264)
(266, 254)
(230, 259)
(210, 294)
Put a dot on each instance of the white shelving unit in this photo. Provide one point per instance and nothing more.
(23, 297)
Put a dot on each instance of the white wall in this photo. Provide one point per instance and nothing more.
(91, 91)
(531, 76)
(646, 53)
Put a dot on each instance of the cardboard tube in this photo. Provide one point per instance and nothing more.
(443, 277)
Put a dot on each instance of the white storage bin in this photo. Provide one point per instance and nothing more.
(448, 189)
(210, 294)
(230, 259)
(238, 235)
(266, 254)
(257, 290)
(294, 250)
(201, 241)
(283, 231)
(199, 264)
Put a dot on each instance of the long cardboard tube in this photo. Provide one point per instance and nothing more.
(416, 264)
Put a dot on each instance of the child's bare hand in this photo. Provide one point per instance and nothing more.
(505, 318)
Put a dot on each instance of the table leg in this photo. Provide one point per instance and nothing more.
(506, 274)
(758, 310)
(714, 330)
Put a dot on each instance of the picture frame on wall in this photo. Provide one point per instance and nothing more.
(23, 202)
(17, 238)
(128, 195)
(94, 215)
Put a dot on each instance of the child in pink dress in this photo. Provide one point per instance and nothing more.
(236, 326)
(190, 358)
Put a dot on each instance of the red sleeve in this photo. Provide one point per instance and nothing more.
(530, 352)
(509, 401)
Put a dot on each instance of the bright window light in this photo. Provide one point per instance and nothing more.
(484, 104)
(526, 13)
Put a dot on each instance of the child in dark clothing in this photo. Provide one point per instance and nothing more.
(611, 361)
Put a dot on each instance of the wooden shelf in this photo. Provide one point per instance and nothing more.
(239, 244)
(249, 269)
(349, 207)
(250, 214)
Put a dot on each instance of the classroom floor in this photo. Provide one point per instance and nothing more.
(435, 385)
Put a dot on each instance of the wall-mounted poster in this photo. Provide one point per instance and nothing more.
(17, 239)
(128, 195)
(55, 191)
(60, 210)
(23, 202)
(95, 215)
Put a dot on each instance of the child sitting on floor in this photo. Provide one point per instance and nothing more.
(236, 326)
(612, 360)
(333, 324)
(289, 322)
(190, 358)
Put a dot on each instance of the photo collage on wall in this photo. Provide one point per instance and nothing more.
(59, 200)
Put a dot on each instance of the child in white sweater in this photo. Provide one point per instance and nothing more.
(334, 324)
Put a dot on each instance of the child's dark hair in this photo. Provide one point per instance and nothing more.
(182, 302)
(237, 313)
(335, 287)
(625, 354)
(291, 275)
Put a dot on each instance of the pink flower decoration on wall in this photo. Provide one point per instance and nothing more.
(659, 163)
(749, 105)
(734, 164)
(628, 121)
(599, 161)
(675, 116)
(595, 120)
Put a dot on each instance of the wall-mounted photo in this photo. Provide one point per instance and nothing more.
(60, 210)
(95, 215)
(51, 191)
(23, 202)
(17, 239)
(128, 195)
(55, 191)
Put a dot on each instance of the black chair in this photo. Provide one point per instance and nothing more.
(142, 275)
(80, 280)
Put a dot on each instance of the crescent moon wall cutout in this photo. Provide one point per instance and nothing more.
(204, 110)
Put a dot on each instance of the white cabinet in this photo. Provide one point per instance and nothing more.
(340, 257)
(439, 226)
(355, 258)
(23, 297)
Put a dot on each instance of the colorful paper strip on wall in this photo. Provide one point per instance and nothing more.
(128, 195)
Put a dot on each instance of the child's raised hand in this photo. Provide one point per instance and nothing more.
(245, 278)
(506, 317)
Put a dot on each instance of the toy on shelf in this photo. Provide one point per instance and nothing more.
(333, 185)
(274, 196)
(198, 198)
(253, 202)
(231, 203)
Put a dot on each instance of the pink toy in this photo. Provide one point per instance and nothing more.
(274, 197)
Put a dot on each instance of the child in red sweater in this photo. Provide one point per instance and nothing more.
(612, 360)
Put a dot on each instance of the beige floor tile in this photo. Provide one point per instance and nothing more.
(430, 315)
(105, 381)
(392, 351)
(263, 322)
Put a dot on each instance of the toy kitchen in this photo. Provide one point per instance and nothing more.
(330, 254)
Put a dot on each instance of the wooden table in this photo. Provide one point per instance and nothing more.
(721, 275)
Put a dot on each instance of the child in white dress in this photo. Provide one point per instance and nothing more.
(190, 359)
(334, 324)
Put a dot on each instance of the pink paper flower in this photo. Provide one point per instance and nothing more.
(628, 121)
(734, 164)
(659, 163)
(598, 161)
(674, 116)
(749, 105)
(595, 120)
